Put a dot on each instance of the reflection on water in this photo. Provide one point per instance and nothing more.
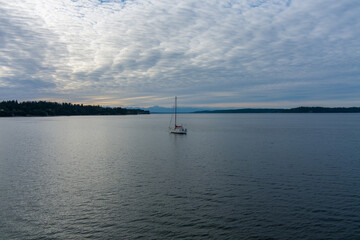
(233, 176)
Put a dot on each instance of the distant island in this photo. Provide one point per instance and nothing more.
(291, 110)
(43, 108)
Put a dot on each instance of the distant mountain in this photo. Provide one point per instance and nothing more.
(158, 109)
(291, 110)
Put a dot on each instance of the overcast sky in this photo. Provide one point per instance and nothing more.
(214, 53)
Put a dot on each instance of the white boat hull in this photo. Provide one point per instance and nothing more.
(178, 130)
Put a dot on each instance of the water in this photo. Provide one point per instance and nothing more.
(233, 176)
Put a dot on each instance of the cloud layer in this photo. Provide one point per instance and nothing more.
(234, 53)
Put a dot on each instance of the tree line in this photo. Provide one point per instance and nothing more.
(291, 110)
(44, 108)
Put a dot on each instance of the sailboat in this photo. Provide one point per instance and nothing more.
(177, 129)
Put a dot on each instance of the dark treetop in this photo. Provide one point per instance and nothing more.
(43, 108)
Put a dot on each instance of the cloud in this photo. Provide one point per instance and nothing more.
(208, 52)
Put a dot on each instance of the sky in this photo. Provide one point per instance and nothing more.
(209, 53)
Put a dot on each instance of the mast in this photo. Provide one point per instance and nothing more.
(175, 109)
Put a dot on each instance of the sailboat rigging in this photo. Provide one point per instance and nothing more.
(177, 129)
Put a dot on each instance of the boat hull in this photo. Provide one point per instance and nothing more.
(178, 131)
(175, 132)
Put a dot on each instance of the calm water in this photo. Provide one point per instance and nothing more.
(234, 176)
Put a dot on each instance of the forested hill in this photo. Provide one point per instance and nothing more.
(43, 108)
(291, 110)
